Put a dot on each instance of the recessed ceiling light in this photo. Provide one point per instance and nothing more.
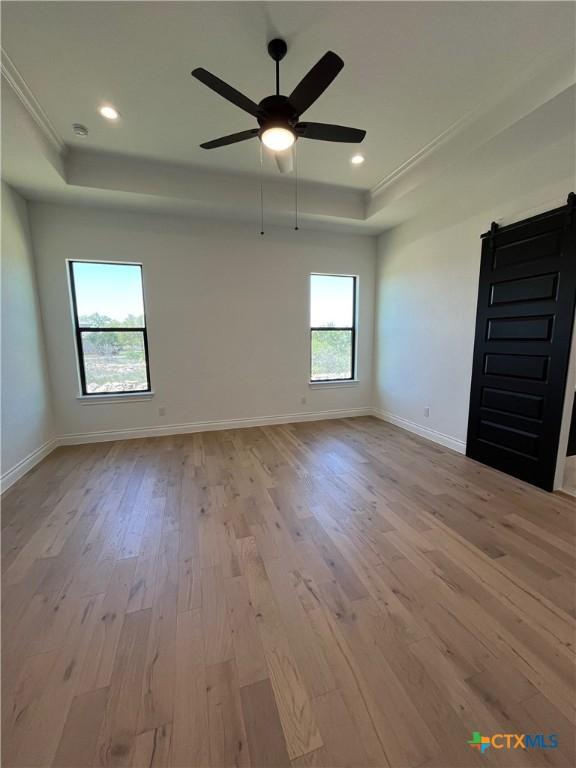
(278, 139)
(357, 159)
(109, 112)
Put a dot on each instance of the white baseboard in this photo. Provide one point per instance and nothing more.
(207, 426)
(26, 464)
(417, 429)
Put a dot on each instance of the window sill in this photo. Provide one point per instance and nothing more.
(130, 397)
(333, 384)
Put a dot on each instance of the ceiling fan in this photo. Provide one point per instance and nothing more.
(279, 116)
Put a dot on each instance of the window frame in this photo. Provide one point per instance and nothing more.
(79, 329)
(352, 328)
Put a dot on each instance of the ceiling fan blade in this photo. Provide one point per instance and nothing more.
(328, 132)
(315, 82)
(226, 91)
(285, 160)
(233, 138)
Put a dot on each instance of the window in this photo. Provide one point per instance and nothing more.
(332, 327)
(108, 304)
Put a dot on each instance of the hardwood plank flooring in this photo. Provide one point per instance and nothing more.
(331, 594)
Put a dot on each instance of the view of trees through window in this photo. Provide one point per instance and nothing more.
(332, 327)
(110, 326)
(331, 355)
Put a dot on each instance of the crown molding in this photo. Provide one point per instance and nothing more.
(26, 96)
(555, 66)
(422, 153)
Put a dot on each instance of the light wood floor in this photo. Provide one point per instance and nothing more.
(321, 594)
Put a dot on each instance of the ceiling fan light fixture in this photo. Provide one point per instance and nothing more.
(278, 139)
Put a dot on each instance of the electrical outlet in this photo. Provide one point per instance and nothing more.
(303, 400)
(161, 411)
(426, 412)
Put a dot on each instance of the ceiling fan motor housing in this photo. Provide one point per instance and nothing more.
(277, 112)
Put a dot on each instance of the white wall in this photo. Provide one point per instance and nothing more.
(427, 273)
(27, 426)
(566, 465)
(227, 313)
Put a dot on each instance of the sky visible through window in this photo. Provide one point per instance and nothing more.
(331, 301)
(112, 290)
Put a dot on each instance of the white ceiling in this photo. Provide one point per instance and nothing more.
(434, 84)
(412, 70)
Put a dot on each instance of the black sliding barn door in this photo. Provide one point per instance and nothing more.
(524, 324)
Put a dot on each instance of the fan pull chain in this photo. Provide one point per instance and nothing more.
(261, 193)
(295, 189)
